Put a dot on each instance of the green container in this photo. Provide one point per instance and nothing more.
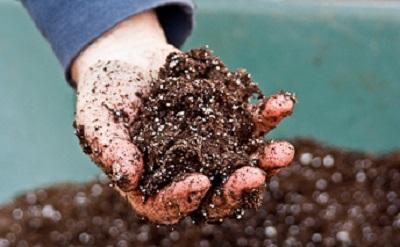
(340, 58)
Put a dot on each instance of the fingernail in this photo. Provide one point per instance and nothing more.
(277, 154)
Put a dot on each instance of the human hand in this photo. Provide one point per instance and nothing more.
(111, 75)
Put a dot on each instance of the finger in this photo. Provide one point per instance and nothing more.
(173, 202)
(275, 155)
(239, 188)
(106, 106)
(268, 113)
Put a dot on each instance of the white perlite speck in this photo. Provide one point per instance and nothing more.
(173, 63)
(49, 212)
(328, 161)
(18, 214)
(361, 177)
(306, 158)
(343, 236)
(316, 237)
(270, 231)
(116, 171)
(321, 184)
(4, 242)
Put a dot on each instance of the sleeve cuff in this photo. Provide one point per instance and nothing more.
(71, 25)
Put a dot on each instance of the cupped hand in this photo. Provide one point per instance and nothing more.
(111, 75)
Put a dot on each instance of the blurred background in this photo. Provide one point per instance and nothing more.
(341, 58)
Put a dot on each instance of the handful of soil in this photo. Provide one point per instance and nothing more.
(195, 119)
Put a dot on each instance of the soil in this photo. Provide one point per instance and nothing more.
(195, 119)
(327, 197)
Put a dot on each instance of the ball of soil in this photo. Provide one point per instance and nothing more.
(195, 118)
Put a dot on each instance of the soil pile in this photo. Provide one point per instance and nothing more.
(327, 197)
(195, 119)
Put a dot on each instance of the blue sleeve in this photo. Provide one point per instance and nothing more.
(70, 25)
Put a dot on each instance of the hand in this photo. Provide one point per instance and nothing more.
(110, 75)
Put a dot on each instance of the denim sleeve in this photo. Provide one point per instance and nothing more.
(70, 25)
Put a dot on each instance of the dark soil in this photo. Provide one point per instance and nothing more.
(195, 119)
(327, 197)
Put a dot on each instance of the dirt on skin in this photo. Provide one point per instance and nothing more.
(327, 197)
(195, 119)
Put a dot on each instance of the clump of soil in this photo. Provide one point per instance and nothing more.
(327, 197)
(195, 119)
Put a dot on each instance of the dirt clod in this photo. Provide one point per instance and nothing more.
(195, 118)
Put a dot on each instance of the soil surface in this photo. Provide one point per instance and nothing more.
(327, 197)
(195, 119)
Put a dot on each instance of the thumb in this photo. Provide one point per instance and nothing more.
(106, 105)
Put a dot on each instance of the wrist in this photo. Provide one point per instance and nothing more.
(126, 42)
